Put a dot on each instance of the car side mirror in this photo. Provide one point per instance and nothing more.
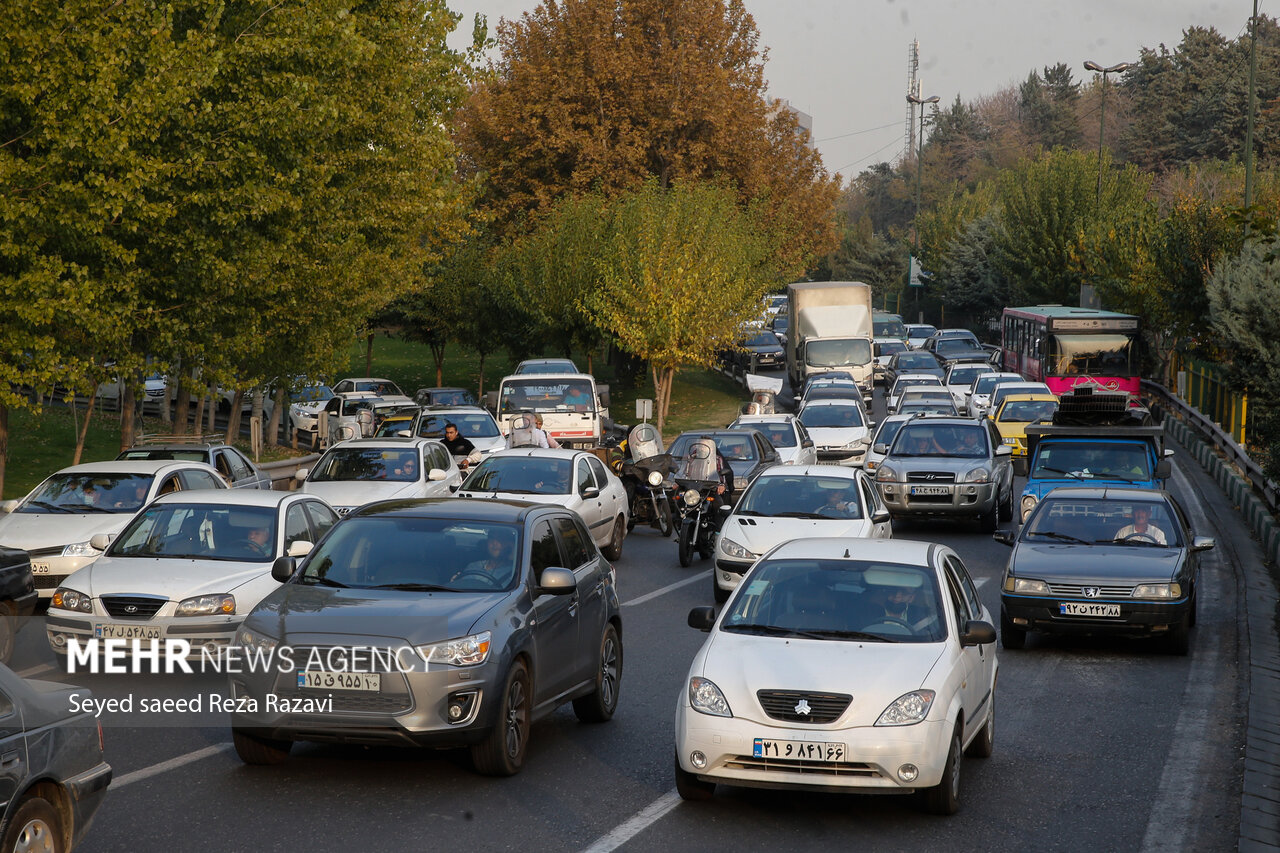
(1164, 469)
(1004, 537)
(101, 541)
(454, 488)
(404, 433)
(702, 618)
(9, 505)
(808, 442)
(978, 632)
(435, 475)
(1004, 450)
(557, 581)
(1020, 466)
(1203, 543)
(881, 450)
(603, 395)
(880, 516)
(283, 568)
(1168, 453)
(590, 492)
(491, 401)
(299, 548)
(301, 474)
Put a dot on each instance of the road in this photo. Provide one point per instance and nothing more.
(1099, 746)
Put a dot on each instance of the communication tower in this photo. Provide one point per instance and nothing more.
(913, 88)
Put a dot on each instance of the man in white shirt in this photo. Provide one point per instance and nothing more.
(1142, 528)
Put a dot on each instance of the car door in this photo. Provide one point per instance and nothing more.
(588, 566)
(194, 478)
(976, 662)
(590, 500)
(1002, 465)
(13, 752)
(612, 494)
(554, 623)
(245, 472)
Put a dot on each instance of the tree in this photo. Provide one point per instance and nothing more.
(1048, 107)
(969, 277)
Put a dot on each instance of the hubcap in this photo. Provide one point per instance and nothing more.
(608, 672)
(35, 836)
(515, 719)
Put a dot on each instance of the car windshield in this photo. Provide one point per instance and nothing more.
(381, 387)
(850, 600)
(801, 497)
(764, 339)
(961, 440)
(890, 347)
(1005, 389)
(888, 329)
(84, 492)
(914, 382)
(367, 463)
(913, 360)
(779, 433)
(1090, 355)
(984, 384)
(543, 395)
(952, 345)
(187, 454)
(523, 475)
(1097, 522)
(477, 425)
(921, 331)
(888, 430)
(838, 417)
(734, 448)
(1092, 460)
(966, 375)
(416, 555)
(837, 353)
(780, 323)
(1027, 411)
(312, 394)
(200, 532)
(833, 391)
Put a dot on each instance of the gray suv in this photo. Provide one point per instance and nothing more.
(947, 466)
(437, 622)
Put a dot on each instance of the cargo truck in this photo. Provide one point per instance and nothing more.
(830, 330)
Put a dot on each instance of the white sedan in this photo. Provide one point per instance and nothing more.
(190, 566)
(571, 478)
(905, 381)
(840, 430)
(859, 665)
(362, 470)
(785, 433)
(796, 503)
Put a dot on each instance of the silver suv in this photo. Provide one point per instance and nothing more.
(947, 466)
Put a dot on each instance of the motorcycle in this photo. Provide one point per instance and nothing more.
(701, 507)
(644, 471)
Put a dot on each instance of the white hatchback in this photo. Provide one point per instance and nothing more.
(363, 470)
(905, 381)
(859, 665)
(840, 430)
(785, 433)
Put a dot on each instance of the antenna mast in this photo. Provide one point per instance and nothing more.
(913, 88)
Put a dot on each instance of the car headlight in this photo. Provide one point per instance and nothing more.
(655, 478)
(733, 549)
(1028, 504)
(1162, 591)
(70, 599)
(976, 475)
(207, 605)
(857, 442)
(1026, 586)
(465, 651)
(706, 698)
(908, 709)
(80, 549)
(251, 640)
(886, 474)
(692, 497)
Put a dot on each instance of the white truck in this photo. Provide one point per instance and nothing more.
(830, 330)
(572, 406)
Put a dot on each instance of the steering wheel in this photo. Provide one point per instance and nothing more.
(1144, 536)
(489, 580)
(891, 620)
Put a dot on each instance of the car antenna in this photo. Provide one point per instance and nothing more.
(846, 552)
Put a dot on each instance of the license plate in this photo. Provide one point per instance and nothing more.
(930, 490)
(368, 681)
(39, 568)
(127, 632)
(798, 750)
(1080, 608)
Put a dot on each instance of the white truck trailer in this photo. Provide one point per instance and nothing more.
(830, 330)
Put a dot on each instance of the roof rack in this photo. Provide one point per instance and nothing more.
(1088, 406)
(186, 438)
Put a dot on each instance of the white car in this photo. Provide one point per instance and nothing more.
(918, 333)
(960, 379)
(57, 521)
(308, 403)
(384, 388)
(840, 430)
(474, 424)
(785, 432)
(905, 381)
(882, 440)
(362, 470)
(860, 665)
(980, 396)
(883, 349)
(571, 478)
(795, 503)
(190, 566)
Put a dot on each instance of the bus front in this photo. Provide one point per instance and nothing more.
(1104, 358)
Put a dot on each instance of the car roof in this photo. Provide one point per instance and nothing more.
(230, 497)
(842, 471)
(143, 448)
(365, 379)
(456, 508)
(779, 417)
(929, 376)
(1040, 397)
(834, 401)
(547, 361)
(1007, 375)
(539, 453)
(390, 442)
(544, 376)
(945, 420)
(132, 466)
(905, 551)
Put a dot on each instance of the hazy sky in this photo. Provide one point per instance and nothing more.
(845, 62)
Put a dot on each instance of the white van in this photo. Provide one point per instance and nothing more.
(571, 404)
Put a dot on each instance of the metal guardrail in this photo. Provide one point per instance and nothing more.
(1221, 440)
(281, 473)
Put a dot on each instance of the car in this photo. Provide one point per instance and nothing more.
(758, 350)
(881, 439)
(444, 397)
(829, 389)
(18, 597)
(190, 566)
(840, 664)
(840, 430)
(882, 349)
(787, 435)
(778, 325)
(1019, 410)
(980, 396)
(950, 467)
(237, 469)
(383, 388)
(795, 503)
(959, 381)
(466, 620)
(362, 470)
(746, 451)
(56, 522)
(951, 351)
(918, 333)
(546, 365)
(55, 777)
(934, 400)
(1004, 389)
(474, 424)
(349, 415)
(909, 380)
(912, 361)
(574, 479)
(843, 376)
(951, 335)
(886, 325)
(775, 303)
(1102, 561)
(306, 405)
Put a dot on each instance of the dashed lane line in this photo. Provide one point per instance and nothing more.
(650, 596)
(639, 822)
(171, 764)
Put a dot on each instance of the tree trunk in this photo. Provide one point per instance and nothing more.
(480, 393)
(368, 355)
(83, 431)
(198, 421)
(437, 353)
(182, 410)
(213, 410)
(277, 415)
(590, 366)
(165, 417)
(4, 443)
(663, 377)
(128, 421)
(233, 417)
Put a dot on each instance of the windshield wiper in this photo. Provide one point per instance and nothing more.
(1076, 474)
(854, 635)
(49, 506)
(776, 630)
(323, 581)
(413, 587)
(1147, 543)
(798, 515)
(1063, 537)
(749, 512)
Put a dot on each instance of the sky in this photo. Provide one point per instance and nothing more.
(844, 62)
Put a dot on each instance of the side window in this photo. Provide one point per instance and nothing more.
(295, 525)
(195, 479)
(240, 467)
(585, 479)
(322, 518)
(10, 724)
(222, 462)
(342, 387)
(440, 457)
(544, 551)
(597, 468)
(966, 585)
(869, 496)
(574, 541)
(963, 613)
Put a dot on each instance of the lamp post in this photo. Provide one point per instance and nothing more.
(915, 225)
(1090, 65)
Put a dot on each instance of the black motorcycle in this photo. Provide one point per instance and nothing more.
(644, 474)
(701, 508)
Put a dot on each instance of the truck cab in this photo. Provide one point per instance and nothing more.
(572, 405)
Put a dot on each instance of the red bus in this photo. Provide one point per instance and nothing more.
(1064, 347)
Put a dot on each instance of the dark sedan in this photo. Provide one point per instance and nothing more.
(1119, 562)
(759, 350)
(912, 361)
(442, 623)
(746, 451)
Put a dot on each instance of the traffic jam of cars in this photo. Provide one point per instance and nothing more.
(442, 574)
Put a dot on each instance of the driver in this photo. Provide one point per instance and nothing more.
(896, 603)
(920, 443)
(971, 443)
(837, 505)
(259, 541)
(1142, 527)
(497, 563)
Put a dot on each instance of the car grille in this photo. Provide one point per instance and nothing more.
(1077, 590)
(132, 606)
(49, 581)
(791, 765)
(823, 707)
(931, 477)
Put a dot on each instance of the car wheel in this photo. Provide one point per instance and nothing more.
(984, 744)
(1179, 639)
(502, 751)
(989, 521)
(690, 787)
(8, 634)
(1011, 636)
(685, 545)
(1006, 508)
(599, 705)
(664, 518)
(614, 549)
(720, 595)
(258, 750)
(35, 825)
(944, 798)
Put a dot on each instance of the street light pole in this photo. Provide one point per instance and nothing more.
(915, 224)
(1090, 65)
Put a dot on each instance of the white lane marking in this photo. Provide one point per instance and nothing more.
(981, 582)
(650, 596)
(1180, 778)
(639, 822)
(166, 766)
(38, 669)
